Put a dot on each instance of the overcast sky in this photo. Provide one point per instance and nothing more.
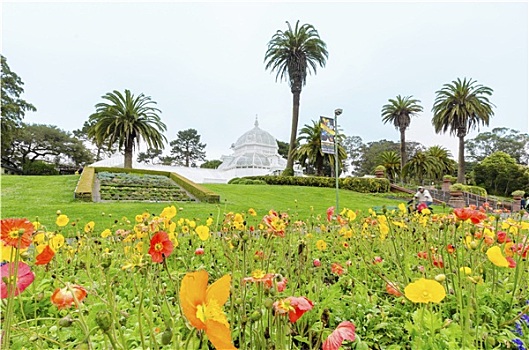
(203, 62)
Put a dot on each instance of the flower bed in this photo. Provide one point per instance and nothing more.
(271, 281)
(139, 187)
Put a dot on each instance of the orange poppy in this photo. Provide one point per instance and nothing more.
(68, 296)
(17, 232)
(202, 306)
(337, 269)
(45, 256)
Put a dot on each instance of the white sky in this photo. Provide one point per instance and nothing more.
(203, 62)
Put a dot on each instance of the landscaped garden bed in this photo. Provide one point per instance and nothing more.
(358, 280)
(139, 187)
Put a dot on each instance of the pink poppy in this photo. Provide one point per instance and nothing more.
(316, 262)
(281, 285)
(24, 278)
(344, 331)
(330, 213)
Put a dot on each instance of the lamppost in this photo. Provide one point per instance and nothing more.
(337, 112)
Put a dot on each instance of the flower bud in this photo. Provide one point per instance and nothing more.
(316, 262)
(440, 277)
(167, 336)
(66, 321)
(256, 315)
(104, 320)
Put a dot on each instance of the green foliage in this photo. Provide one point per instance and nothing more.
(505, 140)
(245, 181)
(518, 193)
(39, 167)
(211, 164)
(499, 174)
(13, 107)
(362, 185)
(187, 148)
(480, 191)
(370, 153)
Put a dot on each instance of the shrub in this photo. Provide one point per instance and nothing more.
(39, 167)
(518, 193)
(357, 184)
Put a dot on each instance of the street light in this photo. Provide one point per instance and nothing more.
(337, 112)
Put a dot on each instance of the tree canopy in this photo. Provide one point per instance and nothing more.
(187, 149)
(505, 140)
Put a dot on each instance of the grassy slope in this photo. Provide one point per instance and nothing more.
(42, 196)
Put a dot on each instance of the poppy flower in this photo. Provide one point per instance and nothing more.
(282, 285)
(45, 256)
(17, 232)
(496, 257)
(463, 213)
(62, 220)
(202, 232)
(161, 247)
(425, 291)
(337, 269)
(330, 213)
(316, 262)
(24, 277)
(294, 306)
(259, 276)
(392, 289)
(68, 296)
(321, 245)
(199, 251)
(377, 260)
(344, 331)
(275, 224)
(202, 306)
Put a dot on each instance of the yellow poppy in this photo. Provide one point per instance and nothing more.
(466, 270)
(168, 212)
(252, 212)
(89, 226)
(496, 257)
(202, 232)
(351, 215)
(425, 291)
(39, 238)
(62, 220)
(321, 245)
(209, 221)
(56, 242)
(202, 306)
(139, 218)
(106, 233)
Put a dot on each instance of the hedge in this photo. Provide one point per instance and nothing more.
(357, 184)
(86, 183)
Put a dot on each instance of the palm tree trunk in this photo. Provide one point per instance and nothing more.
(402, 147)
(128, 154)
(461, 160)
(293, 133)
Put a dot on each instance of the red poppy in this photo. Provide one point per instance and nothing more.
(502, 237)
(294, 306)
(392, 289)
(450, 248)
(45, 256)
(421, 207)
(344, 331)
(422, 255)
(199, 251)
(68, 296)
(161, 247)
(377, 260)
(337, 269)
(512, 263)
(267, 279)
(330, 213)
(24, 277)
(316, 262)
(463, 213)
(17, 232)
(438, 261)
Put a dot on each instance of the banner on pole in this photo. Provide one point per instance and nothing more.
(327, 135)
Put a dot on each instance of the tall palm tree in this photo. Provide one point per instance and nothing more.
(125, 120)
(293, 53)
(310, 150)
(399, 112)
(459, 107)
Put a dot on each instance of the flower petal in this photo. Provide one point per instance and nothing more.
(219, 335)
(219, 290)
(192, 294)
(344, 331)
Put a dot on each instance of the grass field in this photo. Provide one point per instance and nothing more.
(42, 196)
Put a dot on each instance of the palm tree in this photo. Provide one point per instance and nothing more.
(459, 107)
(421, 166)
(442, 157)
(126, 119)
(293, 53)
(399, 112)
(391, 161)
(310, 151)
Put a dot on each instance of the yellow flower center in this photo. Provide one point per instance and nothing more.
(16, 232)
(158, 247)
(258, 274)
(211, 311)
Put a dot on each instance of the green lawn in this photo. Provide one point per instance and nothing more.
(42, 196)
